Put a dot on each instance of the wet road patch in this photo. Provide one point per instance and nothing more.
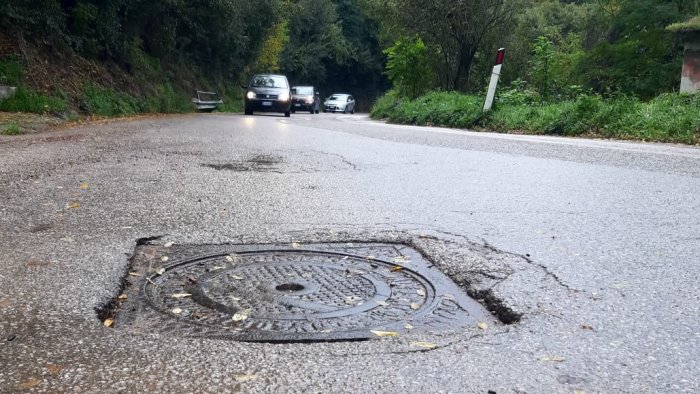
(289, 293)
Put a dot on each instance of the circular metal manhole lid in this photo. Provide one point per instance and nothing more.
(292, 295)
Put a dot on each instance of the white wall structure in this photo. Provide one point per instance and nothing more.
(690, 77)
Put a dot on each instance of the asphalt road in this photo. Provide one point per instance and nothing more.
(594, 244)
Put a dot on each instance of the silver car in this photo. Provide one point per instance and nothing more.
(339, 102)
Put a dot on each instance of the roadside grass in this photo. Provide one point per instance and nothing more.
(670, 117)
(11, 128)
(103, 101)
(26, 100)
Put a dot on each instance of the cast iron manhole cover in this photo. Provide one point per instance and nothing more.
(290, 293)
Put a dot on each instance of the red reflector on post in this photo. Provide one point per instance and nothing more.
(499, 56)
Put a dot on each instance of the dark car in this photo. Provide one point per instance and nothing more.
(268, 93)
(305, 98)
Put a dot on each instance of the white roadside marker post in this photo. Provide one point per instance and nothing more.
(494, 79)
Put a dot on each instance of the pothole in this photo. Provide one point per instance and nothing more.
(277, 293)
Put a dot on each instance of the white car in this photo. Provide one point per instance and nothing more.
(339, 102)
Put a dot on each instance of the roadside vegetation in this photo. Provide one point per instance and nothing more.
(572, 67)
(597, 68)
(668, 118)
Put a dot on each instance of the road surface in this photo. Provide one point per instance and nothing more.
(594, 245)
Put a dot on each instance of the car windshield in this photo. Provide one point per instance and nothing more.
(339, 97)
(306, 90)
(268, 81)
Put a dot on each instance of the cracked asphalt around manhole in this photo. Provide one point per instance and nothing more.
(589, 248)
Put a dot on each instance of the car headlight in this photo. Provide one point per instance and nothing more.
(251, 95)
(284, 96)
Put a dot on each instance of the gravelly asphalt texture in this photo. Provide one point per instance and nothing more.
(594, 243)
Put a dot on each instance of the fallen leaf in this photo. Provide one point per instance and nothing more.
(236, 277)
(415, 306)
(176, 311)
(577, 391)
(241, 315)
(425, 345)
(553, 358)
(134, 274)
(5, 302)
(169, 244)
(181, 295)
(54, 368)
(84, 186)
(32, 382)
(229, 259)
(385, 333)
(382, 303)
(371, 257)
(242, 378)
(123, 297)
(74, 205)
(164, 258)
(160, 271)
(421, 292)
(217, 268)
(296, 245)
(408, 326)
(108, 323)
(482, 325)
(402, 259)
(396, 268)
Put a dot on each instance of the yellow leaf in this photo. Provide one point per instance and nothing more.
(385, 333)
(244, 377)
(134, 274)
(483, 325)
(122, 297)
(415, 306)
(74, 205)
(164, 258)
(84, 185)
(296, 245)
(160, 271)
(402, 259)
(425, 345)
(32, 382)
(54, 368)
(396, 268)
(108, 323)
(371, 257)
(553, 358)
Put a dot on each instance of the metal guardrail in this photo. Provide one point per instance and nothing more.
(206, 101)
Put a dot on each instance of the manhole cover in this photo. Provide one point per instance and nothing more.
(283, 293)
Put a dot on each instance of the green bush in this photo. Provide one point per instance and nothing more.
(166, 99)
(108, 102)
(10, 71)
(25, 100)
(11, 128)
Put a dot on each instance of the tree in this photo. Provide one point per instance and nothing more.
(408, 67)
